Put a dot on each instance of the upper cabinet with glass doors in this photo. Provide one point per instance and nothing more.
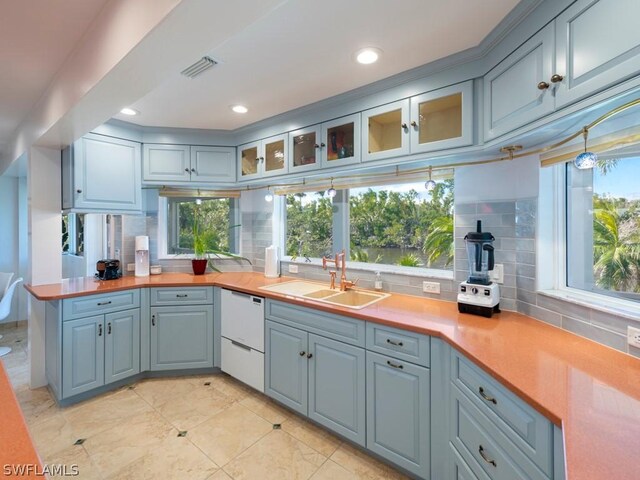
(264, 158)
(340, 143)
(304, 149)
(436, 120)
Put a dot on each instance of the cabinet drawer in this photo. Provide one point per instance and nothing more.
(409, 346)
(73, 308)
(531, 432)
(345, 329)
(484, 447)
(243, 363)
(181, 296)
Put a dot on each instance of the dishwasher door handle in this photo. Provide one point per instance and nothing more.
(239, 294)
(238, 344)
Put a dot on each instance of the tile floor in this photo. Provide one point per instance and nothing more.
(134, 432)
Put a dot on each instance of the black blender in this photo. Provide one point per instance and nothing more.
(478, 295)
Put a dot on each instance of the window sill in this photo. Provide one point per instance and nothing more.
(376, 267)
(191, 256)
(603, 303)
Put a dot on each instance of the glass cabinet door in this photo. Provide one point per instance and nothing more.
(304, 148)
(442, 119)
(387, 131)
(249, 160)
(275, 155)
(341, 141)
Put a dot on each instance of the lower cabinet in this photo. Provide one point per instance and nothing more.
(181, 337)
(122, 345)
(398, 396)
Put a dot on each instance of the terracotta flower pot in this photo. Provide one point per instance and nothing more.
(199, 265)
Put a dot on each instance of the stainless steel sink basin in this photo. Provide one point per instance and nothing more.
(319, 292)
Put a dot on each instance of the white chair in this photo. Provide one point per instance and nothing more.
(5, 281)
(5, 308)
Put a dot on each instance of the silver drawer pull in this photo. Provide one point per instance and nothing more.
(490, 461)
(101, 304)
(182, 295)
(394, 365)
(487, 397)
(395, 344)
(238, 344)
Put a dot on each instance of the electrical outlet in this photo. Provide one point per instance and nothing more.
(293, 268)
(497, 274)
(633, 336)
(131, 267)
(431, 287)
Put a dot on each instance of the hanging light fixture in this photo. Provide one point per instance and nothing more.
(269, 196)
(332, 191)
(198, 201)
(586, 159)
(430, 184)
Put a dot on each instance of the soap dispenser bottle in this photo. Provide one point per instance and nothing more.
(378, 282)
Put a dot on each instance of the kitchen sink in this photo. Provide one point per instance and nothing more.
(319, 292)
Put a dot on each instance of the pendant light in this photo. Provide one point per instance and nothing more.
(332, 191)
(430, 184)
(586, 159)
(269, 196)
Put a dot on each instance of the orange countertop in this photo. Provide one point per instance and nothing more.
(16, 447)
(591, 390)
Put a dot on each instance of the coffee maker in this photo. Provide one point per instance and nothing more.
(478, 295)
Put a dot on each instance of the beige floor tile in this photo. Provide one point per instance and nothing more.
(104, 412)
(220, 475)
(52, 435)
(332, 471)
(14, 359)
(277, 456)
(227, 385)
(266, 408)
(229, 433)
(186, 412)
(363, 465)
(77, 456)
(37, 404)
(174, 458)
(19, 377)
(119, 446)
(316, 437)
(158, 390)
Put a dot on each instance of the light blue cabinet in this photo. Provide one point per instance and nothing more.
(398, 395)
(82, 355)
(340, 143)
(177, 164)
(337, 387)
(597, 45)
(122, 345)
(304, 149)
(264, 158)
(102, 174)
(181, 337)
(519, 90)
(213, 164)
(286, 372)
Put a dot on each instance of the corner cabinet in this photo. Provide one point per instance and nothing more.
(101, 175)
(177, 164)
(264, 158)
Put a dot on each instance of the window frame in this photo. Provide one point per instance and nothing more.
(73, 219)
(234, 238)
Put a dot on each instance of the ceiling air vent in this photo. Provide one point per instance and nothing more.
(205, 63)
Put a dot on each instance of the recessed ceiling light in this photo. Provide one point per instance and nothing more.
(368, 55)
(239, 109)
(129, 111)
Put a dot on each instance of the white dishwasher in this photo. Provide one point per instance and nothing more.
(242, 349)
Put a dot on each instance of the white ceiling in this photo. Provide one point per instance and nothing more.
(36, 36)
(302, 52)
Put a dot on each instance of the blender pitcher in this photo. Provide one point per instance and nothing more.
(480, 254)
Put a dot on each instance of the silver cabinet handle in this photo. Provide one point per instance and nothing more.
(153, 320)
(487, 397)
(102, 304)
(394, 365)
(490, 461)
(238, 344)
(395, 344)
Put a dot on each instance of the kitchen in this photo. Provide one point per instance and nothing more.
(380, 376)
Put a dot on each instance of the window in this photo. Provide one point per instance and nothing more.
(73, 234)
(216, 217)
(603, 228)
(402, 224)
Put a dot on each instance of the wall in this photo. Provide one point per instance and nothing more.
(9, 236)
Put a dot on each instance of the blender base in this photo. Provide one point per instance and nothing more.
(478, 310)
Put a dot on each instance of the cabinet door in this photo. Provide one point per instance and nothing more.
(275, 155)
(442, 119)
(341, 141)
(213, 164)
(286, 362)
(512, 97)
(82, 355)
(386, 132)
(181, 337)
(304, 149)
(398, 409)
(122, 345)
(597, 45)
(249, 159)
(107, 174)
(337, 387)
(166, 163)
